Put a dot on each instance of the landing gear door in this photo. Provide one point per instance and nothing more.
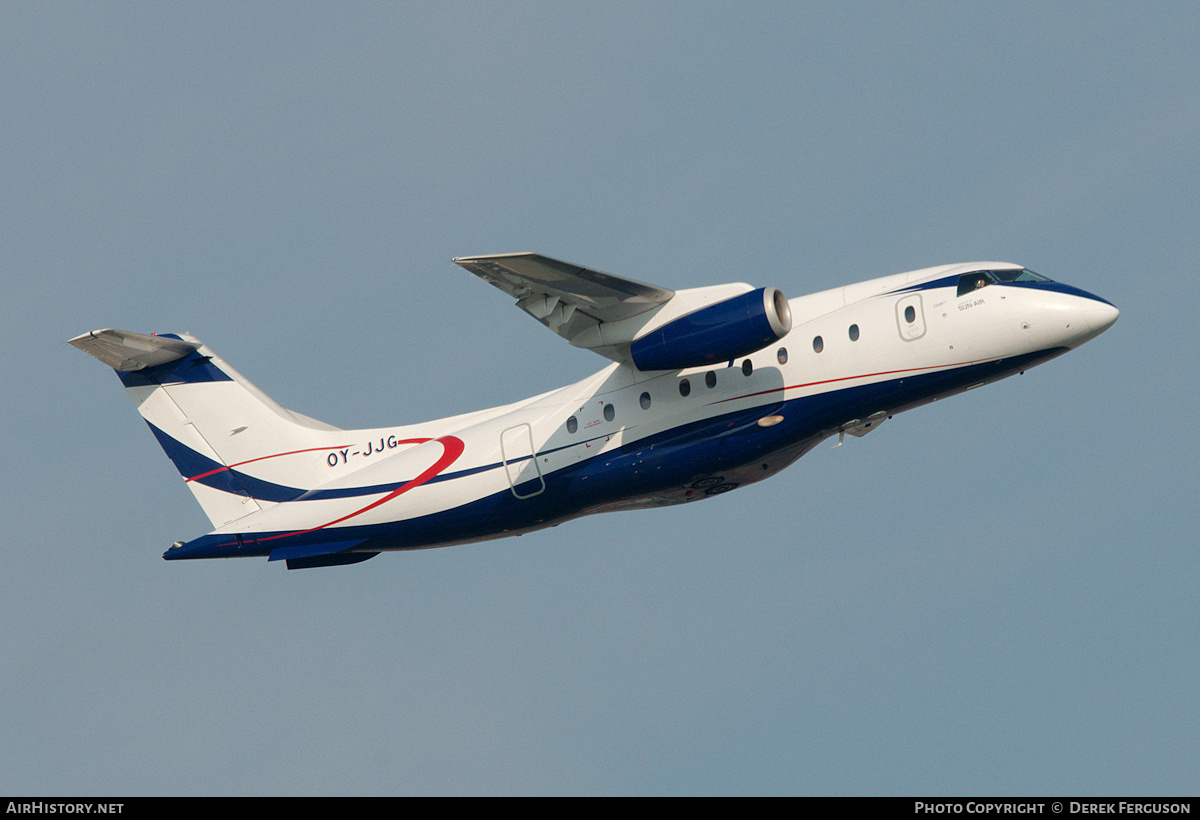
(520, 461)
(910, 317)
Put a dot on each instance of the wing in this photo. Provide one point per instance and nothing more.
(574, 302)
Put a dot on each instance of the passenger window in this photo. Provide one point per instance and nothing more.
(685, 387)
(610, 412)
(747, 367)
(645, 401)
(910, 314)
(781, 355)
(710, 378)
(572, 424)
(818, 344)
(854, 333)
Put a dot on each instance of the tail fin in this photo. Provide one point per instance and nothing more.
(211, 422)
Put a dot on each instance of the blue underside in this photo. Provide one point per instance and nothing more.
(663, 463)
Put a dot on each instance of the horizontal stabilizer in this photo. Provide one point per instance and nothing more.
(125, 350)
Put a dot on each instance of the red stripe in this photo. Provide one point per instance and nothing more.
(847, 378)
(264, 458)
(452, 448)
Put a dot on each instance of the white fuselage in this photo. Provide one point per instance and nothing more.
(624, 439)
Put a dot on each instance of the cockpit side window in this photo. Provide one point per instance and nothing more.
(974, 281)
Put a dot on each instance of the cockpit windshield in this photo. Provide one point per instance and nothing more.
(1022, 275)
(982, 278)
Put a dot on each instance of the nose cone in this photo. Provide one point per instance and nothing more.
(1100, 316)
(1088, 316)
(1070, 315)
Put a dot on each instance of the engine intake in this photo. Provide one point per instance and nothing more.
(717, 333)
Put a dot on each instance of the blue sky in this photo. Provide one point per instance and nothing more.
(993, 595)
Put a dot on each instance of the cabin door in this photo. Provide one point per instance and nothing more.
(910, 318)
(520, 461)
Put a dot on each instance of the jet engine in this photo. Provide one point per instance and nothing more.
(718, 333)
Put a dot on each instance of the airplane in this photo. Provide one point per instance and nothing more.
(708, 389)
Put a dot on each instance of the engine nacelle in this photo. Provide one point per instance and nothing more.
(727, 330)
